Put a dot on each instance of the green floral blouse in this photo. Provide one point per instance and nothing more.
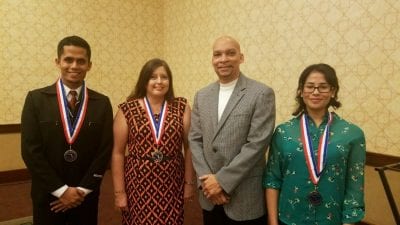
(341, 183)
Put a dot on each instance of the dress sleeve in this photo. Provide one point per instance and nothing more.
(273, 174)
(353, 203)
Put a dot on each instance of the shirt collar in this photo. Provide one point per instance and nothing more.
(67, 89)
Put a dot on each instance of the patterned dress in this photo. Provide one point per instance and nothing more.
(154, 189)
(341, 183)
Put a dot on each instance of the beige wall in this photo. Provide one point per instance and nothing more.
(123, 35)
(378, 211)
(279, 38)
(10, 152)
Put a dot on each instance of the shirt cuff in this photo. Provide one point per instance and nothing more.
(60, 191)
(87, 191)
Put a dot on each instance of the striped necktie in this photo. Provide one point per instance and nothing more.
(73, 100)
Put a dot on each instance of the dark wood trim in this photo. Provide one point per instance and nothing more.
(364, 223)
(378, 160)
(14, 176)
(10, 128)
(373, 159)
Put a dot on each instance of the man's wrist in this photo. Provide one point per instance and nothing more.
(60, 191)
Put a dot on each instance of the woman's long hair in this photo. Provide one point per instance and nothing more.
(145, 74)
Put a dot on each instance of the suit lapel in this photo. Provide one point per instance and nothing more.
(213, 97)
(50, 98)
(235, 98)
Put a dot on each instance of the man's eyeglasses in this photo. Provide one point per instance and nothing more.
(321, 88)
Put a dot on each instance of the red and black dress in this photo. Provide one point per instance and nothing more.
(154, 187)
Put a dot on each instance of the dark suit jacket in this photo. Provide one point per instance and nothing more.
(43, 143)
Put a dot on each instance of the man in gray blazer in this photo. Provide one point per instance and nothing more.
(231, 127)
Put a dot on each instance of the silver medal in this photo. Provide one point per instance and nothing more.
(70, 155)
(157, 156)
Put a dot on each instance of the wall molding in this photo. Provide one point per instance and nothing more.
(10, 128)
(12, 176)
(364, 223)
(377, 160)
(373, 159)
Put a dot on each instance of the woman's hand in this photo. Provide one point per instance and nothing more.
(189, 192)
(121, 201)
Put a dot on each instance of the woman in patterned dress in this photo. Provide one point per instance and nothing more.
(151, 174)
(315, 170)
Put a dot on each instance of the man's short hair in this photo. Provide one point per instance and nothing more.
(75, 41)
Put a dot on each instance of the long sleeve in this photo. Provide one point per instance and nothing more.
(353, 203)
(273, 173)
(94, 174)
(196, 142)
(32, 148)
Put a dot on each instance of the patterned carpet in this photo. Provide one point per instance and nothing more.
(20, 221)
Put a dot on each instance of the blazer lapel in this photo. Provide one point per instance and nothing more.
(213, 97)
(51, 93)
(237, 94)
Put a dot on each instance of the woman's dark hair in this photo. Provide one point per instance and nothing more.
(330, 76)
(145, 74)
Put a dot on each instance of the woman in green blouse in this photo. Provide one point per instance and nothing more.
(315, 170)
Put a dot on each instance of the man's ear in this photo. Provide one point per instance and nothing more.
(89, 66)
(57, 62)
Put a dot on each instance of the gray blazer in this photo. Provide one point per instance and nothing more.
(234, 148)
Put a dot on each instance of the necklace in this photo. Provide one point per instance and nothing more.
(156, 117)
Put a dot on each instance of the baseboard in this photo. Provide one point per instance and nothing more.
(12, 176)
(364, 223)
(373, 159)
(378, 160)
(19, 221)
(10, 128)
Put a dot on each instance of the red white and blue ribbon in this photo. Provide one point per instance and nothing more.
(71, 128)
(157, 127)
(315, 166)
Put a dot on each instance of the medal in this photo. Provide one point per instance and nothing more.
(70, 155)
(71, 128)
(314, 166)
(157, 128)
(315, 198)
(157, 156)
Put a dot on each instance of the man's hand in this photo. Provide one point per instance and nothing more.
(71, 198)
(212, 190)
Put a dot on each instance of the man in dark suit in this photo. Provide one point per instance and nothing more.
(66, 141)
(231, 127)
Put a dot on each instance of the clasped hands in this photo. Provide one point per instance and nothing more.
(71, 198)
(212, 190)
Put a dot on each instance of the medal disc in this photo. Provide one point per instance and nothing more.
(315, 198)
(157, 156)
(70, 155)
